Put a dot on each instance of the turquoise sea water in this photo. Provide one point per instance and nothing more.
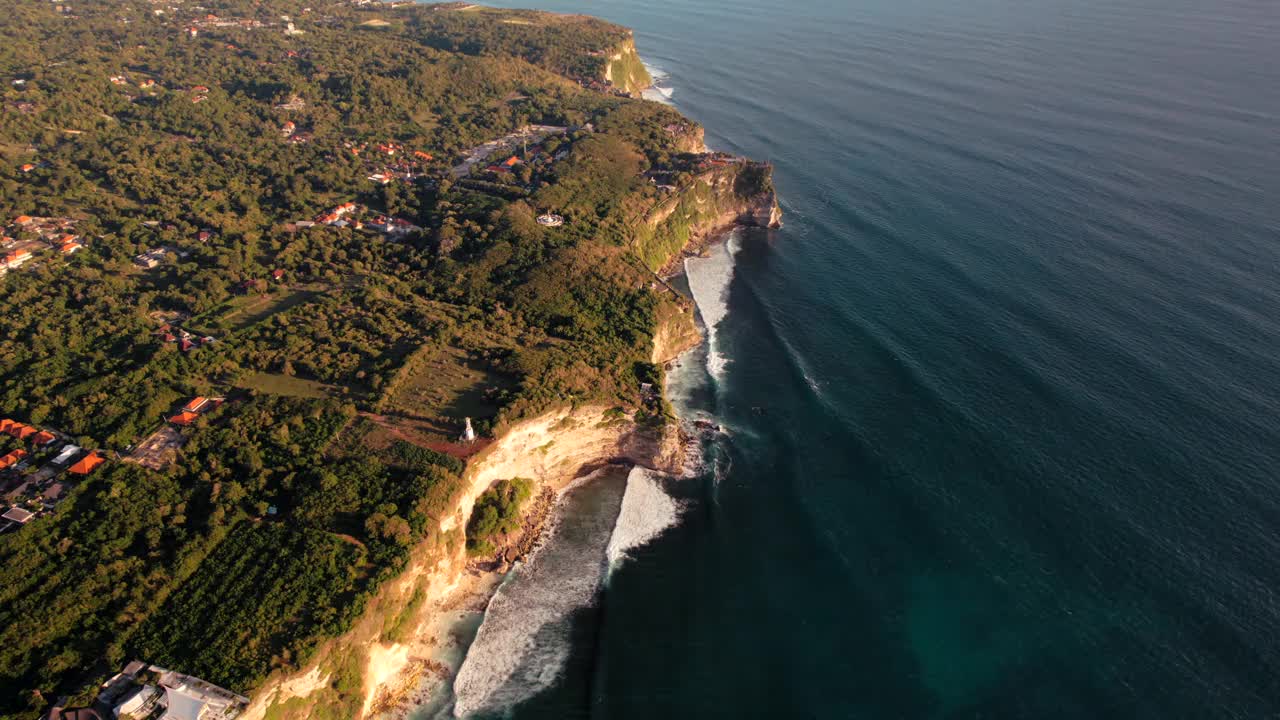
(1002, 400)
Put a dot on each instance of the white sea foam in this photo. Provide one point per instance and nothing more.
(646, 511)
(524, 642)
(661, 90)
(709, 279)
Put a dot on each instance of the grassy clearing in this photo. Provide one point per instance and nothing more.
(243, 311)
(443, 383)
(277, 384)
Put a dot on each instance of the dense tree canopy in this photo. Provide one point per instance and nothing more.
(217, 139)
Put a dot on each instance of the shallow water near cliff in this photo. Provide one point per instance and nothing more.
(1002, 399)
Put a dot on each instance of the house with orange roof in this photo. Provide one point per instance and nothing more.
(28, 167)
(5, 424)
(512, 161)
(17, 258)
(184, 418)
(69, 247)
(22, 220)
(196, 404)
(44, 437)
(423, 155)
(87, 464)
(22, 432)
(12, 459)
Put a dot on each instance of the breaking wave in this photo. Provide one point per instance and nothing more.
(646, 511)
(709, 278)
(661, 90)
(524, 641)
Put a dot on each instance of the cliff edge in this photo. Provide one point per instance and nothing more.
(625, 71)
(727, 192)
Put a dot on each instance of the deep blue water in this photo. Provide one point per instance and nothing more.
(1003, 397)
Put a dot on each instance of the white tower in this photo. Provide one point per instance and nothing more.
(468, 435)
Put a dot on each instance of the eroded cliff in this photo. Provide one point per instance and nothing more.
(625, 71)
(730, 192)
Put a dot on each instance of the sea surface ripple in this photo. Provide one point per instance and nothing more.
(1002, 400)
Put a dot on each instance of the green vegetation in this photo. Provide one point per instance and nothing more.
(497, 513)
(628, 72)
(348, 358)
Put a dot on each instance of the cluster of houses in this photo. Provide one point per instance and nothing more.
(155, 256)
(160, 449)
(34, 472)
(356, 216)
(536, 157)
(398, 164)
(156, 693)
(505, 146)
(210, 20)
(291, 134)
(196, 407)
(407, 167)
(32, 235)
(145, 83)
(186, 341)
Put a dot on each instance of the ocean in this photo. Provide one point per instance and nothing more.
(1000, 404)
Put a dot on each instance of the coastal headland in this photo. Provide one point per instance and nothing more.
(372, 230)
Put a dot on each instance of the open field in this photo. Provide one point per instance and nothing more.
(245, 311)
(277, 384)
(444, 385)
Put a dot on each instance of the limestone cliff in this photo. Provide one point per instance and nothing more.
(625, 71)
(729, 192)
(398, 641)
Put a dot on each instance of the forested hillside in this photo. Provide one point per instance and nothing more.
(267, 203)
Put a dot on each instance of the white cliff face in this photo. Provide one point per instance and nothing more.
(626, 71)
(549, 449)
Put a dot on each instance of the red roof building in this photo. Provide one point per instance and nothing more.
(184, 418)
(12, 459)
(44, 437)
(87, 464)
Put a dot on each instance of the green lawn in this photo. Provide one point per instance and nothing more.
(245, 311)
(277, 384)
(444, 383)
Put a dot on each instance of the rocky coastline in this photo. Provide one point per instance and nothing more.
(411, 641)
